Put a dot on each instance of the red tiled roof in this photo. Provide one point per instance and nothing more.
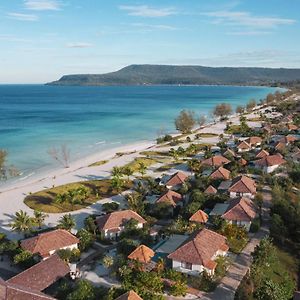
(215, 161)
(42, 275)
(210, 190)
(240, 209)
(199, 217)
(229, 152)
(200, 249)
(280, 146)
(244, 145)
(118, 219)
(142, 254)
(262, 154)
(131, 295)
(243, 184)
(220, 173)
(49, 241)
(288, 139)
(170, 197)
(10, 291)
(177, 178)
(253, 140)
(242, 162)
(292, 127)
(270, 160)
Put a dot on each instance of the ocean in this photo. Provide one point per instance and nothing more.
(35, 118)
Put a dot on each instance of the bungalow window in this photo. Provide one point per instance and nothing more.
(186, 265)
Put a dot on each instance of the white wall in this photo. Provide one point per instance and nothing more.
(71, 247)
(234, 195)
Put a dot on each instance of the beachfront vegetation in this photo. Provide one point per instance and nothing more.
(5, 170)
(185, 122)
(222, 110)
(98, 163)
(92, 191)
(61, 155)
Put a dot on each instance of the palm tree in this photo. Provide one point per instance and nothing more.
(117, 183)
(117, 172)
(107, 261)
(66, 222)
(142, 168)
(39, 218)
(128, 172)
(22, 222)
(135, 202)
(173, 152)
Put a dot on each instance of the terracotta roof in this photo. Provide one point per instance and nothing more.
(262, 154)
(244, 145)
(215, 161)
(131, 295)
(220, 173)
(253, 140)
(200, 249)
(170, 197)
(210, 190)
(288, 139)
(199, 217)
(229, 152)
(280, 146)
(240, 209)
(142, 254)
(10, 291)
(243, 184)
(270, 160)
(292, 127)
(42, 275)
(177, 178)
(118, 219)
(45, 242)
(242, 162)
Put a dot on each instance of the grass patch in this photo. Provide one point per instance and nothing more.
(155, 153)
(256, 119)
(98, 163)
(206, 135)
(233, 129)
(134, 165)
(45, 200)
(169, 166)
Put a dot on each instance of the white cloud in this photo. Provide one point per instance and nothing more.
(42, 5)
(246, 19)
(22, 17)
(146, 11)
(79, 45)
(151, 27)
(12, 38)
(249, 33)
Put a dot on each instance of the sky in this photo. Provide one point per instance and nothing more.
(41, 40)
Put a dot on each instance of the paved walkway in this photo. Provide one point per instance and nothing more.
(229, 284)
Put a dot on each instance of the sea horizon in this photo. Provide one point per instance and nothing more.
(89, 120)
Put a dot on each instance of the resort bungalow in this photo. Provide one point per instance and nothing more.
(254, 141)
(131, 295)
(111, 225)
(30, 283)
(47, 243)
(262, 153)
(292, 127)
(199, 252)
(172, 198)
(220, 173)
(241, 212)
(199, 217)
(229, 153)
(242, 186)
(210, 190)
(243, 146)
(143, 255)
(176, 180)
(242, 162)
(215, 161)
(288, 139)
(270, 163)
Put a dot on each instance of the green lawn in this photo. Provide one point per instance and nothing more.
(206, 135)
(44, 200)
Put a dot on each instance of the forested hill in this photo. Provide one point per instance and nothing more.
(167, 74)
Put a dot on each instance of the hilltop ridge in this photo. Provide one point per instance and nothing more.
(185, 75)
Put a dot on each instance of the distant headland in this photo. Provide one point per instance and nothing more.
(183, 75)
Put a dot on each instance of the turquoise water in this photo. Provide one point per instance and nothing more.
(35, 118)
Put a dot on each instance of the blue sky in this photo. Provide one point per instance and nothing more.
(40, 40)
